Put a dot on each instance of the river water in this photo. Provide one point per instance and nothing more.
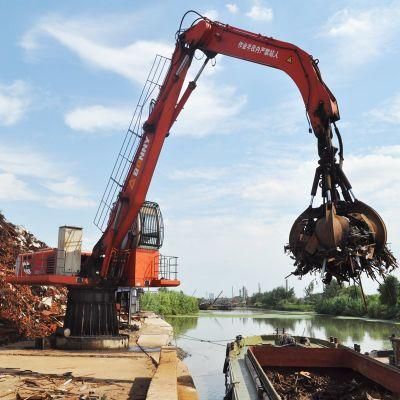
(206, 359)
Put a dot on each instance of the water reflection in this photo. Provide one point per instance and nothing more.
(207, 359)
(271, 324)
(182, 324)
(353, 330)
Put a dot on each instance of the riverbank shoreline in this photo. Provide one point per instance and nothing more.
(365, 318)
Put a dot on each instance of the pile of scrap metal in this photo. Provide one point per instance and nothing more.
(31, 311)
(325, 384)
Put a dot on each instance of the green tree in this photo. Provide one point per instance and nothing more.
(278, 296)
(309, 290)
(389, 291)
(332, 290)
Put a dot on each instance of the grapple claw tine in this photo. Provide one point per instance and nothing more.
(373, 219)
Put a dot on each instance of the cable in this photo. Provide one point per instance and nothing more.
(183, 18)
(339, 137)
(205, 341)
(154, 362)
(222, 340)
(309, 122)
(187, 337)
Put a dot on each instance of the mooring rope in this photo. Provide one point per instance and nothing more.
(216, 342)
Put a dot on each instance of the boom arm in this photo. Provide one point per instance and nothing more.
(211, 38)
(216, 38)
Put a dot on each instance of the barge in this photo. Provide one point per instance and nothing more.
(282, 367)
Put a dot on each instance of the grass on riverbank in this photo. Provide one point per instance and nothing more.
(349, 301)
(166, 302)
(336, 300)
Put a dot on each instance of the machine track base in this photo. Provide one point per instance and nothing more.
(91, 321)
(91, 311)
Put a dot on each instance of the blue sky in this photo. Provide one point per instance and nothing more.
(238, 165)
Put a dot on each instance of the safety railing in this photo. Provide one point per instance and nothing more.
(168, 267)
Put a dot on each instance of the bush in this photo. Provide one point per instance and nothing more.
(169, 303)
(274, 298)
(332, 306)
(355, 307)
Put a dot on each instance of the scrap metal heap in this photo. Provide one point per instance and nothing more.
(344, 237)
(324, 384)
(30, 311)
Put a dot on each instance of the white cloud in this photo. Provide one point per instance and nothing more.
(198, 174)
(388, 112)
(240, 251)
(286, 117)
(98, 118)
(218, 106)
(63, 202)
(270, 195)
(132, 61)
(211, 102)
(232, 8)
(374, 176)
(259, 12)
(211, 14)
(69, 193)
(14, 189)
(67, 186)
(23, 161)
(29, 175)
(361, 36)
(14, 102)
(393, 150)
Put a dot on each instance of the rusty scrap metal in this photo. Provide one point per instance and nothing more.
(324, 384)
(31, 311)
(348, 242)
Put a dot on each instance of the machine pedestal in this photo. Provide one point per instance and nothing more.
(118, 342)
(91, 320)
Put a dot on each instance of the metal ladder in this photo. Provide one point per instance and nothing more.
(131, 141)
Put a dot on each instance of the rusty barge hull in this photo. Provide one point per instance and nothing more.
(250, 360)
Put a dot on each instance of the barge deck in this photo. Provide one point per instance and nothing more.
(253, 363)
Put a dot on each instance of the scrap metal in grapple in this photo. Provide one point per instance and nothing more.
(342, 238)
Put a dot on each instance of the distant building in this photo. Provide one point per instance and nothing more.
(245, 293)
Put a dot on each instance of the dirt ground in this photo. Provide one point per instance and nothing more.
(27, 373)
(25, 385)
(40, 374)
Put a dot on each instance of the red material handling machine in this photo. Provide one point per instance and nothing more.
(127, 252)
